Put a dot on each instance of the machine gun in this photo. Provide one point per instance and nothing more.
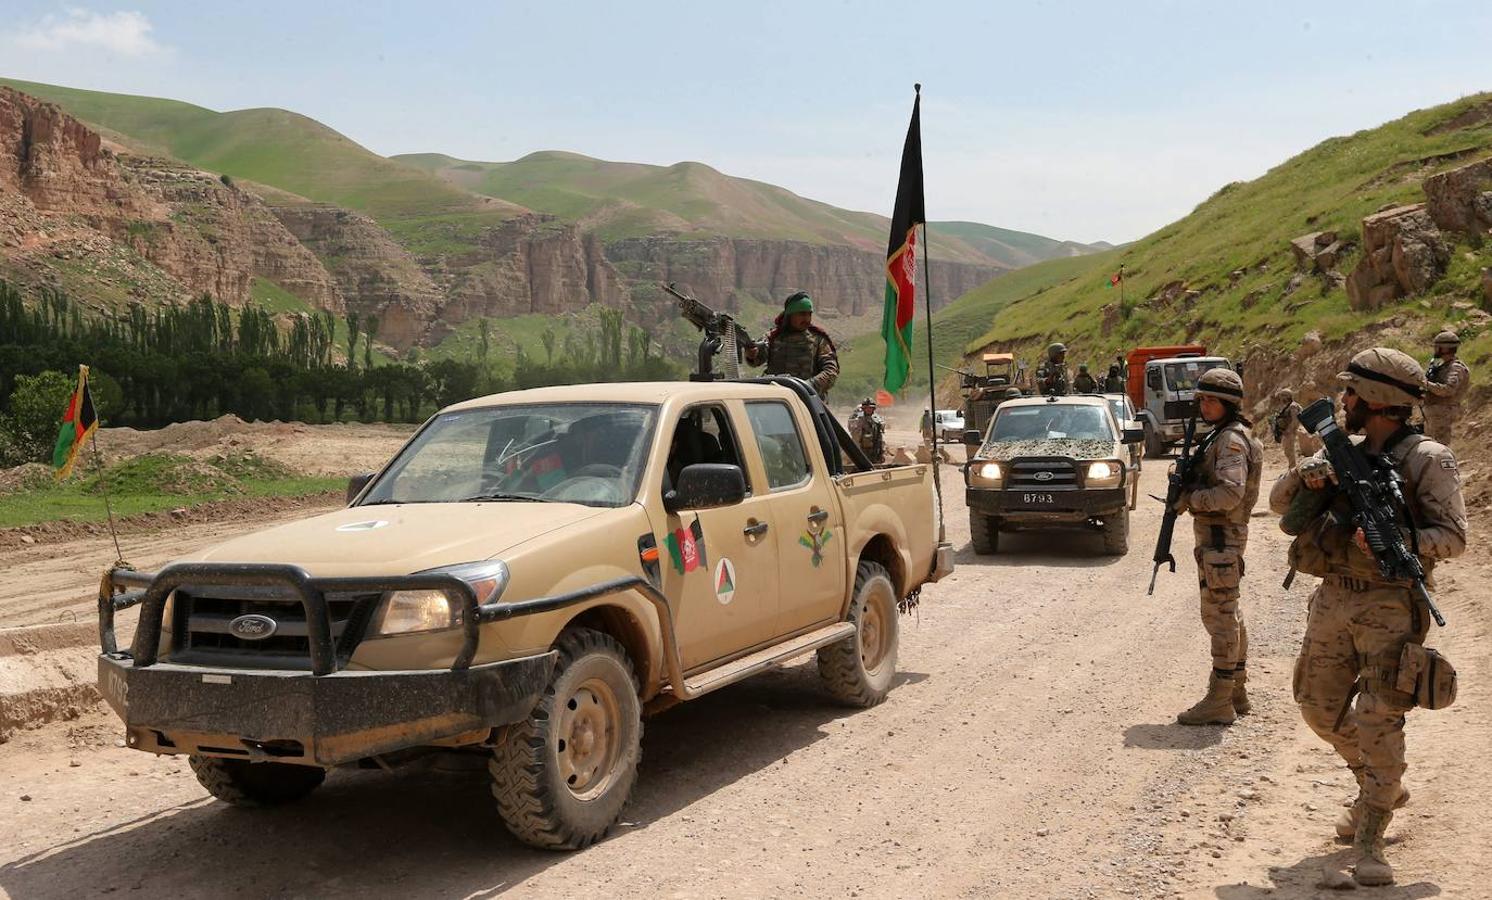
(1376, 497)
(721, 334)
(1176, 485)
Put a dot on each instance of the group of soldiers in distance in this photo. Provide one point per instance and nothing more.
(1362, 661)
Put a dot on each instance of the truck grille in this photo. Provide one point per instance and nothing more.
(1180, 409)
(1043, 475)
(201, 635)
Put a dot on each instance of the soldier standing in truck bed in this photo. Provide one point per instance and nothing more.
(1052, 376)
(795, 346)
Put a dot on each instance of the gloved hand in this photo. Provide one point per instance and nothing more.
(1316, 472)
(1183, 503)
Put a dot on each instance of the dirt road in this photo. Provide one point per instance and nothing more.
(1027, 751)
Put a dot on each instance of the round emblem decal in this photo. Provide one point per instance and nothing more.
(1044, 476)
(725, 581)
(252, 627)
(362, 526)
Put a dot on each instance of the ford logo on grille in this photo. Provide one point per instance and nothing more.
(252, 627)
(1044, 476)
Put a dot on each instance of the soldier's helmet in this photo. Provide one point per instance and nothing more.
(1385, 376)
(868, 401)
(1224, 384)
(1055, 351)
(1012, 393)
(1083, 367)
(1447, 337)
(1284, 394)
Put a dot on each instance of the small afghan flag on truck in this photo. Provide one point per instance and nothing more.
(901, 257)
(78, 424)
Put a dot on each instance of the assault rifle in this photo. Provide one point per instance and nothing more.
(1375, 494)
(1278, 423)
(721, 332)
(1176, 484)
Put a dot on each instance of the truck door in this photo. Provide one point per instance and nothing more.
(807, 522)
(719, 565)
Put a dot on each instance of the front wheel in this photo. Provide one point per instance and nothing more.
(562, 776)
(859, 669)
(984, 534)
(1155, 447)
(1116, 534)
(255, 784)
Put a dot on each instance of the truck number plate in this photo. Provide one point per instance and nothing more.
(1037, 499)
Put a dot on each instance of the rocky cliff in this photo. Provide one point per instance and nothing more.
(841, 279)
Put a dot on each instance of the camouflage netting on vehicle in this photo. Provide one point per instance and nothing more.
(1073, 448)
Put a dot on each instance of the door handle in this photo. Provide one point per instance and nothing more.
(819, 516)
(755, 529)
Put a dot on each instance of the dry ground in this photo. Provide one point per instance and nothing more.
(1027, 751)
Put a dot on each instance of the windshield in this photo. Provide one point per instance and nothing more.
(1182, 376)
(588, 453)
(1050, 421)
(1120, 406)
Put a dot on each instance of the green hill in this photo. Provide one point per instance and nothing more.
(282, 149)
(1246, 227)
(621, 200)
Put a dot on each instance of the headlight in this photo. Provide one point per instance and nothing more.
(411, 612)
(1104, 474)
(988, 474)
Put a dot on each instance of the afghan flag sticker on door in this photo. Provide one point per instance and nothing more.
(725, 581)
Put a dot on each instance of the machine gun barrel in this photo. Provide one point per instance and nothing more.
(1376, 500)
(706, 319)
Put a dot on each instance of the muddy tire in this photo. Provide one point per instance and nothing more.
(255, 784)
(562, 776)
(984, 534)
(1155, 448)
(1116, 534)
(859, 669)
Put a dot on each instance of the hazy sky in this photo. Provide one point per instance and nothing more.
(1077, 120)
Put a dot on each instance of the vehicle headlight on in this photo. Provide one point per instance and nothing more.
(415, 611)
(987, 474)
(1108, 473)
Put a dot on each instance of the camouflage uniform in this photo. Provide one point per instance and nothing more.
(1358, 624)
(807, 354)
(1287, 426)
(1085, 383)
(1448, 381)
(1221, 502)
(869, 432)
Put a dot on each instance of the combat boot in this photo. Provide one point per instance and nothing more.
(1372, 869)
(1347, 821)
(1241, 704)
(1217, 707)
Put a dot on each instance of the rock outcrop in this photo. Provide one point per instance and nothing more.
(841, 279)
(1461, 200)
(1317, 252)
(1403, 254)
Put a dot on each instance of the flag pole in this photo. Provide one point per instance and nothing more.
(1121, 287)
(932, 377)
(103, 483)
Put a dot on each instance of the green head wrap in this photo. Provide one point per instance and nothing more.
(798, 303)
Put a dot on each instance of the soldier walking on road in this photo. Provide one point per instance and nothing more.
(1359, 623)
(1448, 380)
(868, 430)
(795, 346)
(1052, 376)
(1085, 383)
(1286, 424)
(1220, 502)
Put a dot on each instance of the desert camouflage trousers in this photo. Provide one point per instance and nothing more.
(1219, 555)
(1357, 629)
(1287, 444)
(1440, 422)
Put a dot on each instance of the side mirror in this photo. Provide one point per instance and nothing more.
(1133, 436)
(355, 485)
(705, 486)
(972, 438)
(1152, 379)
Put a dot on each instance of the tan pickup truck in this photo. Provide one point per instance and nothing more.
(523, 579)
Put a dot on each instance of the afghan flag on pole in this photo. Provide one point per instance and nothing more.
(1117, 278)
(78, 424)
(901, 257)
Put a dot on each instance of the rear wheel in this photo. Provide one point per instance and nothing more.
(984, 534)
(255, 784)
(859, 669)
(1155, 447)
(1116, 534)
(562, 776)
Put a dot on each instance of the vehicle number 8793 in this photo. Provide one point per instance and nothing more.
(1037, 499)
